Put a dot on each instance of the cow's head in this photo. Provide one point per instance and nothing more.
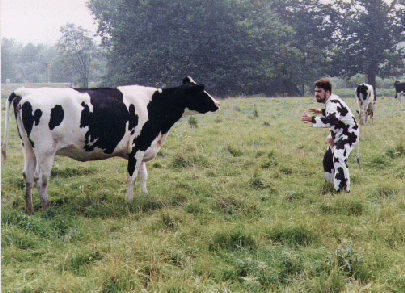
(396, 83)
(197, 100)
(362, 92)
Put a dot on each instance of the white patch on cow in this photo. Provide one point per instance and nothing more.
(399, 95)
(152, 151)
(140, 97)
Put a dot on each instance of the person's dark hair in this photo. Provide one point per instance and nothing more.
(323, 83)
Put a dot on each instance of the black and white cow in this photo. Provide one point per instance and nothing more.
(130, 122)
(399, 90)
(365, 101)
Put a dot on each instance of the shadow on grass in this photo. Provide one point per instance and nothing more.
(101, 205)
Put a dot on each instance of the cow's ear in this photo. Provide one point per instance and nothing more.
(188, 79)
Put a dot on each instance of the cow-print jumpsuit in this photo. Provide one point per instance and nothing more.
(345, 132)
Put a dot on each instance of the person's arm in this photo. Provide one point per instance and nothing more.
(330, 117)
(306, 118)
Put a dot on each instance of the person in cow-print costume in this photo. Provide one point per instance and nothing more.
(344, 133)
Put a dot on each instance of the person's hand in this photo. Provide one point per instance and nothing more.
(330, 141)
(306, 118)
(315, 111)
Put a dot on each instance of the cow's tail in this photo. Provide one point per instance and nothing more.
(6, 126)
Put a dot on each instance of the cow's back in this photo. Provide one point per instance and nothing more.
(75, 123)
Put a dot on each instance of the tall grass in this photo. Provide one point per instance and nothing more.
(236, 203)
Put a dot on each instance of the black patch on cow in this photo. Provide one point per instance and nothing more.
(107, 122)
(362, 89)
(132, 121)
(13, 98)
(29, 119)
(341, 109)
(350, 140)
(16, 100)
(399, 87)
(328, 161)
(163, 111)
(340, 175)
(330, 119)
(198, 100)
(131, 164)
(57, 116)
(85, 116)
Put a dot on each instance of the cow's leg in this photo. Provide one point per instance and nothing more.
(370, 111)
(363, 116)
(28, 175)
(130, 187)
(134, 166)
(143, 176)
(328, 166)
(341, 153)
(366, 112)
(44, 167)
(342, 176)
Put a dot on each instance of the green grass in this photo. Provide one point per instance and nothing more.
(236, 203)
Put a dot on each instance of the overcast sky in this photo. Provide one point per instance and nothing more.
(39, 21)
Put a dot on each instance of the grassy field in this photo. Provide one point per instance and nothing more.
(236, 203)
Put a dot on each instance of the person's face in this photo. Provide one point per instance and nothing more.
(320, 95)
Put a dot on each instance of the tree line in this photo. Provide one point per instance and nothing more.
(75, 59)
(270, 47)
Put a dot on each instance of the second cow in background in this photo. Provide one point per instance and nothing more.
(366, 100)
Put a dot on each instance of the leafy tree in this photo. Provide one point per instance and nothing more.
(312, 22)
(25, 63)
(7, 62)
(76, 51)
(367, 38)
(234, 46)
